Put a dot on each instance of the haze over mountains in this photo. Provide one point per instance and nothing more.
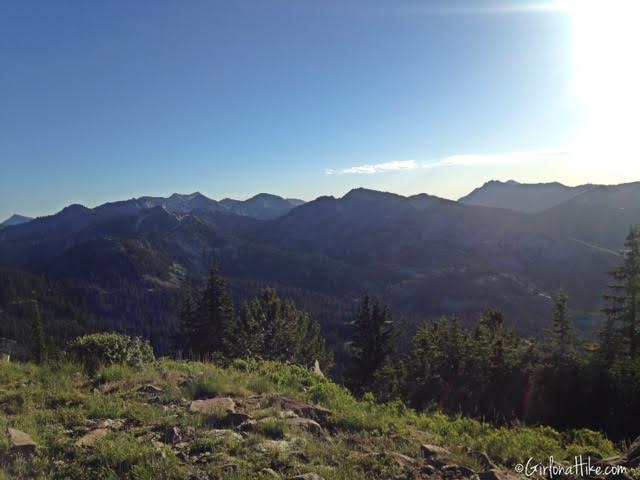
(528, 198)
(425, 256)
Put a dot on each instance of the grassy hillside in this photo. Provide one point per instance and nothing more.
(278, 421)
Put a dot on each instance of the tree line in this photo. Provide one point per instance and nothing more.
(487, 371)
(490, 372)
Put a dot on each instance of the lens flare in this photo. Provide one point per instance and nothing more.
(607, 81)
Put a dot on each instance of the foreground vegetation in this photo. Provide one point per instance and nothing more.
(151, 430)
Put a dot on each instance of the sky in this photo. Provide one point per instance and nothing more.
(102, 101)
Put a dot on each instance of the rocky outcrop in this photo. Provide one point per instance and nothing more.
(213, 405)
(302, 409)
(20, 442)
(307, 425)
(435, 455)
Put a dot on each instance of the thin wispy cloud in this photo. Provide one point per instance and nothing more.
(377, 168)
(465, 160)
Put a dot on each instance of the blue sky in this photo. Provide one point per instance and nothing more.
(109, 100)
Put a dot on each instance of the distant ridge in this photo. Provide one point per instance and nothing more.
(522, 197)
(15, 219)
(263, 206)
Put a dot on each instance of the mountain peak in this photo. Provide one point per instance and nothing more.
(362, 193)
(15, 219)
(74, 209)
(523, 197)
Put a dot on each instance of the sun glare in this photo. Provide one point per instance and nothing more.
(607, 81)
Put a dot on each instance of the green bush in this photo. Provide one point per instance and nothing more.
(204, 387)
(273, 428)
(104, 349)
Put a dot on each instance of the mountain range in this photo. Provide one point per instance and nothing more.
(505, 245)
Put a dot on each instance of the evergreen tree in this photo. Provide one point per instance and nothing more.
(561, 338)
(272, 328)
(622, 331)
(185, 335)
(372, 343)
(38, 348)
(213, 320)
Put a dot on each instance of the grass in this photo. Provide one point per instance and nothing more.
(57, 404)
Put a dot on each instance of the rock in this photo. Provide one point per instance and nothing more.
(92, 437)
(303, 409)
(435, 454)
(269, 473)
(21, 442)
(111, 424)
(428, 469)
(306, 424)
(400, 459)
(307, 476)
(233, 420)
(173, 436)
(316, 369)
(429, 451)
(150, 389)
(212, 405)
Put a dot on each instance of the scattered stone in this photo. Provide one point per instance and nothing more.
(306, 424)
(400, 459)
(213, 405)
(21, 442)
(111, 424)
(92, 437)
(435, 455)
(150, 389)
(307, 476)
(303, 409)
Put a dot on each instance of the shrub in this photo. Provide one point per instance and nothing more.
(204, 387)
(103, 349)
(273, 428)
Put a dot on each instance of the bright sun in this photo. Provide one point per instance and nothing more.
(606, 37)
